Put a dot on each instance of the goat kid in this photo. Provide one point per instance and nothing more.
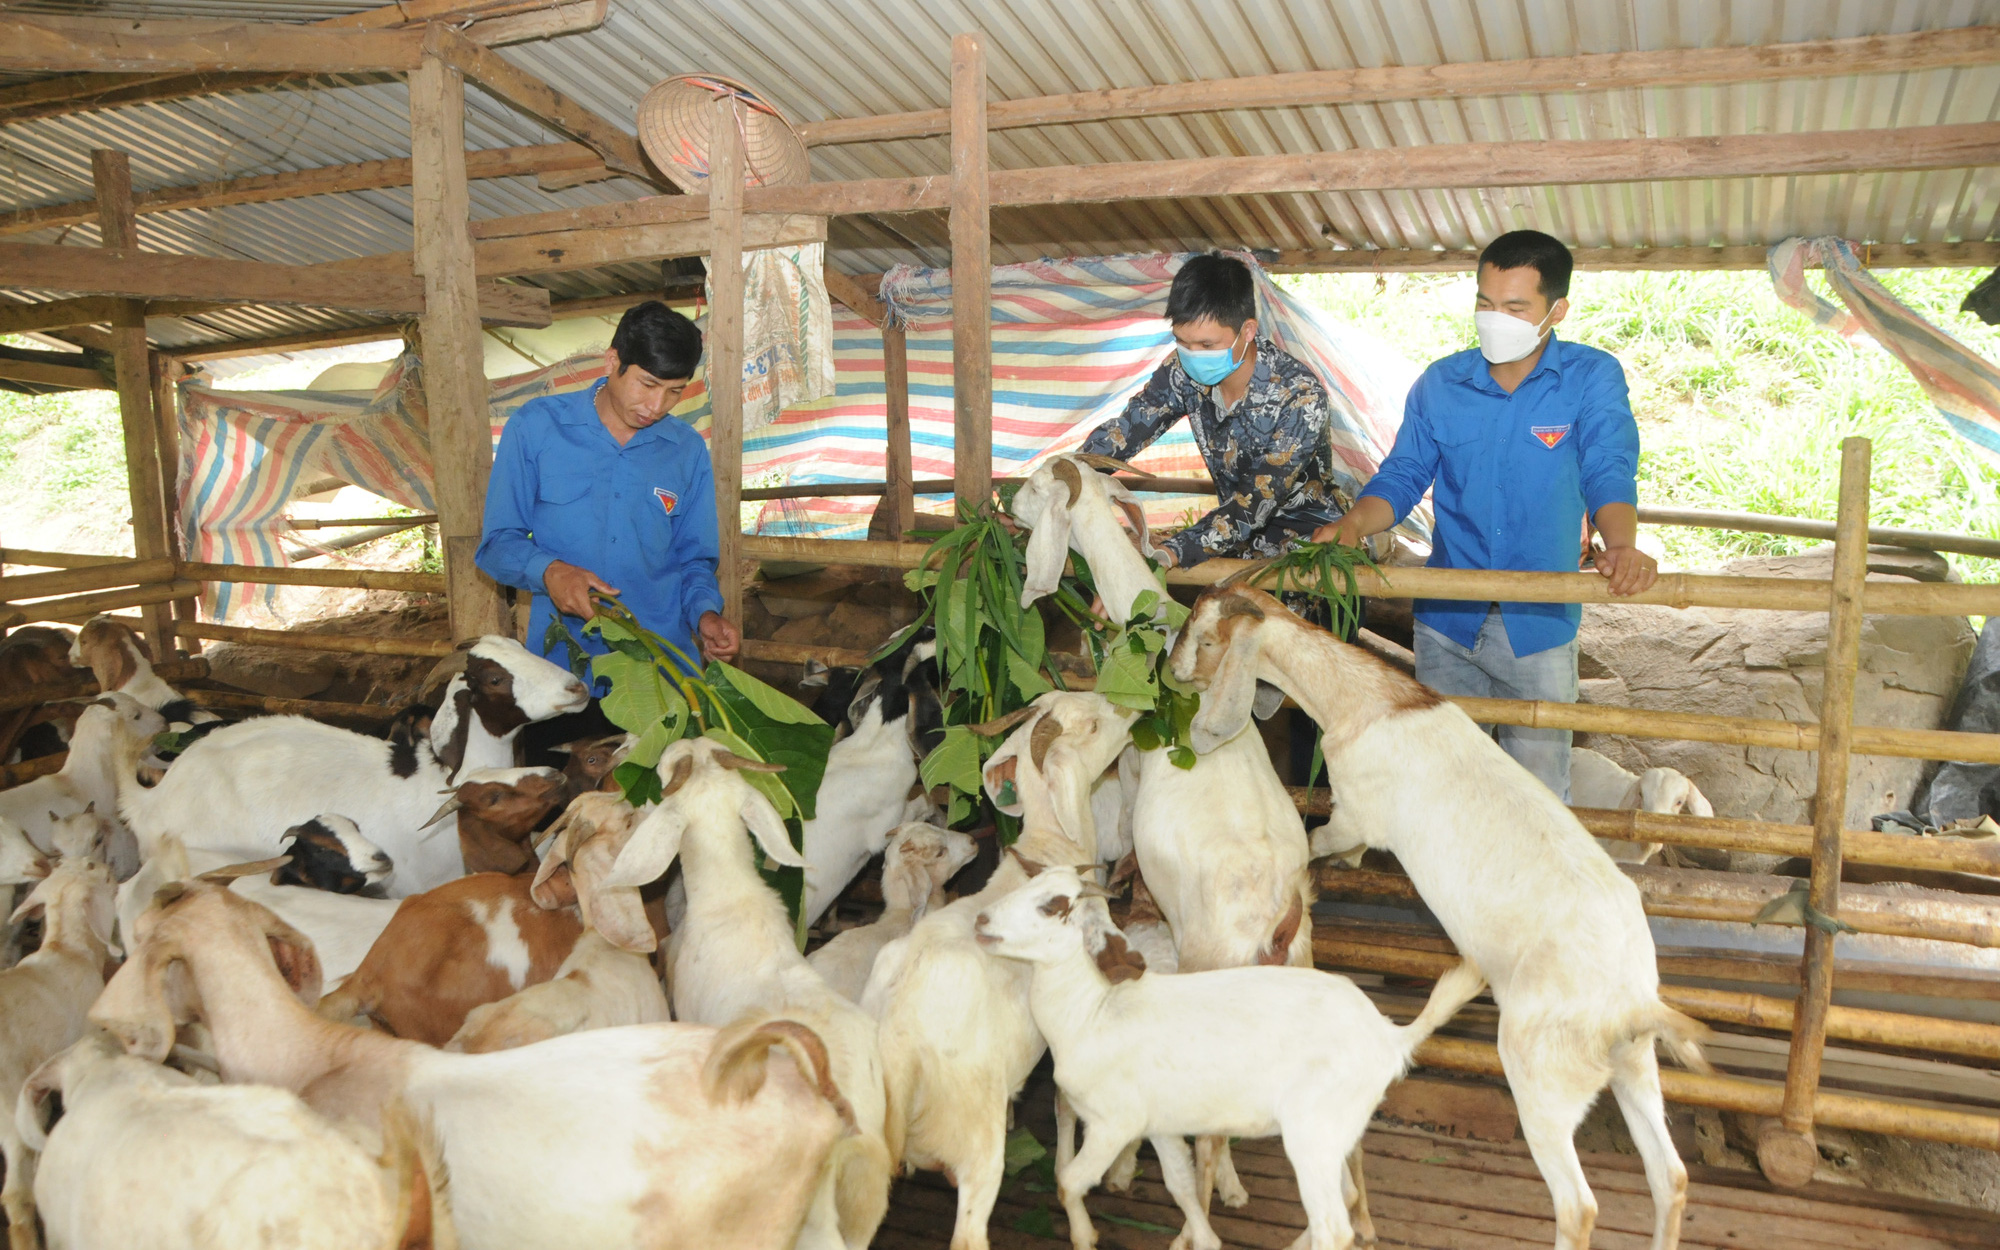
(598, 987)
(957, 1038)
(669, 1136)
(112, 735)
(1246, 1052)
(232, 791)
(498, 810)
(145, 1156)
(919, 860)
(445, 951)
(1522, 889)
(42, 1004)
(1595, 781)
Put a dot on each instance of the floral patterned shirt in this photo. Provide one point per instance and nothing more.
(1271, 455)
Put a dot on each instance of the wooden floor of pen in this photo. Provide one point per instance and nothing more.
(1443, 1193)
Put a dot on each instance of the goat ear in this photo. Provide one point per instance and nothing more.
(28, 1111)
(1048, 547)
(1134, 512)
(1269, 700)
(1000, 777)
(554, 887)
(649, 852)
(769, 829)
(1069, 795)
(134, 1006)
(32, 905)
(1232, 693)
(619, 916)
(297, 961)
(102, 915)
(1698, 804)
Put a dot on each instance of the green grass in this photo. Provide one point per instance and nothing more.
(1742, 402)
(62, 472)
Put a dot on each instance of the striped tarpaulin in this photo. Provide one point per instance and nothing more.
(1962, 383)
(1072, 340)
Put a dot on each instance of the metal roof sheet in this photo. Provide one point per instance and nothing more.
(820, 59)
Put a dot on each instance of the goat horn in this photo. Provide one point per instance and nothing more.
(1234, 606)
(683, 769)
(1046, 731)
(451, 805)
(1028, 866)
(231, 872)
(169, 893)
(1071, 477)
(1093, 890)
(1109, 463)
(1001, 724)
(734, 762)
(1248, 575)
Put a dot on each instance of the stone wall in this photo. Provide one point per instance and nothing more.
(1771, 665)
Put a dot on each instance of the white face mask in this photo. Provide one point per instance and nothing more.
(1504, 339)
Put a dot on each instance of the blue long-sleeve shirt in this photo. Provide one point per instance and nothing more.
(1515, 476)
(640, 516)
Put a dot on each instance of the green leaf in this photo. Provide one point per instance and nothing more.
(1026, 678)
(1022, 1149)
(1036, 1223)
(639, 695)
(771, 703)
(767, 784)
(800, 747)
(1146, 733)
(1174, 614)
(640, 784)
(955, 761)
(1126, 676)
(1182, 757)
(660, 735)
(1142, 608)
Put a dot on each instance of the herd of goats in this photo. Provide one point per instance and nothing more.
(330, 1023)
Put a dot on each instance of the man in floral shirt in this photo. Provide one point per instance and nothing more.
(1258, 415)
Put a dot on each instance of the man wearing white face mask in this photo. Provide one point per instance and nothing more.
(1518, 440)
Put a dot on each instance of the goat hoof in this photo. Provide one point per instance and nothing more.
(1232, 1195)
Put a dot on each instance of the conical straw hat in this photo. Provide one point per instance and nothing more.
(674, 121)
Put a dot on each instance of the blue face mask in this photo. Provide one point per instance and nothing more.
(1209, 368)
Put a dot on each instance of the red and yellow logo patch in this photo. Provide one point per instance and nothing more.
(1549, 435)
(668, 499)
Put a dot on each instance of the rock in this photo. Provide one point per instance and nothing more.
(809, 630)
(858, 627)
(274, 672)
(1769, 665)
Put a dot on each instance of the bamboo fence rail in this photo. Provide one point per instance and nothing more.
(84, 686)
(305, 640)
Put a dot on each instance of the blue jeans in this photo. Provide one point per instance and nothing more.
(1491, 670)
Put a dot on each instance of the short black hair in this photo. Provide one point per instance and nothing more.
(658, 340)
(1545, 254)
(1212, 287)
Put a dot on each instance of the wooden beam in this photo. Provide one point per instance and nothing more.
(109, 45)
(539, 100)
(118, 227)
(725, 345)
(1971, 255)
(48, 373)
(897, 471)
(454, 353)
(847, 291)
(971, 278)
(1786, 1152)
(153, 275)
(87, 310)
(517, 162)
(166, 419)
(1605, 71)
(592, 249)
(515, 21)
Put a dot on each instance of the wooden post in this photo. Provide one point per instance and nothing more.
(151, 530)
(166, 417)
(1786, 1150)
(454, 352)
(971, 278)
(725, 346)
(897, 470)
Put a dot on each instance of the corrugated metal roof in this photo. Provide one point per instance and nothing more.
(820, 59)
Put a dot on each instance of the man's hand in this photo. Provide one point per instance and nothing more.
(1628, 569)
(719, 639)
(569, 589)
(1369, 515)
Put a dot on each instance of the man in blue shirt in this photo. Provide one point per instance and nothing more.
(1519, 440)
(601, 490)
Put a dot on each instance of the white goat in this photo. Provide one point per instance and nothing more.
(145, 1156)
(598, 987)
(116, 658)
(1524, 892)
(112, 735)
(957, 1039)
(664, 1135)
(1595, 781)
(1070, 506)
(1247, 1052)
(734, 954)
(232, 792)
(865, 791)
(42, 1004)
(21, 861)
(920, 859)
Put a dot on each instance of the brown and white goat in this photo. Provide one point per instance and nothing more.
(445, 951)
(498, 810)
(671, 1136)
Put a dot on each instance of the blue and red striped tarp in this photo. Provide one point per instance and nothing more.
(1072, 340)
